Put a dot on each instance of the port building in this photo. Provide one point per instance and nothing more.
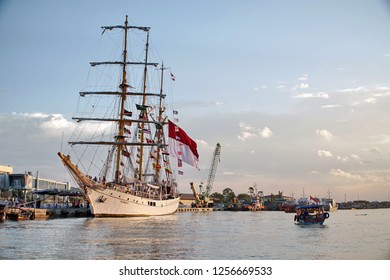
(23, 184)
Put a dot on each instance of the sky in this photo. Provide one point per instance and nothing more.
(296, 92)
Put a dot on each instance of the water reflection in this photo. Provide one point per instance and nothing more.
(217, 235)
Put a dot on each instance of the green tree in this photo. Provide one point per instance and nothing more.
(228, 195)
(244, 196)
(218, 196)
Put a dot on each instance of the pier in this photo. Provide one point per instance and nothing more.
(187, 209)
(25, 213)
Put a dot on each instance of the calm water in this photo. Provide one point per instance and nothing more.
(348, 234)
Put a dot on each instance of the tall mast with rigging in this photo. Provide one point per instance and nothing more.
(123, 87)
(160, 130)
(143, 111)
(138, 156)
(119, 139)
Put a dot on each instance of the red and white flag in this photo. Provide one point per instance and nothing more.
(314, 199)
(172, 77)
(181, 145)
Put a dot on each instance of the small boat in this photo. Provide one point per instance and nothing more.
(314, 214)
(18, 213)
(288, 207)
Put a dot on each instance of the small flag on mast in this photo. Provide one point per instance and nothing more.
(125, 153)
(172, 77)
(127, 113)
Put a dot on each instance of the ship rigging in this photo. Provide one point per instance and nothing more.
(142, 181)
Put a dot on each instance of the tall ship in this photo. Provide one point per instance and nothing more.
(125, 150)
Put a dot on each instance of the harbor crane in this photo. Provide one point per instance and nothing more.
(203, 199)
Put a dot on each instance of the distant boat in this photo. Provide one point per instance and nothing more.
(314, 214)
(333, 207)
(288, 206)
(138, 139)
(329, 204)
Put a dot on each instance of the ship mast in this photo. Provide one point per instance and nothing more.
(160, 127)
(143, 112)
(119, 141)
(123, 87)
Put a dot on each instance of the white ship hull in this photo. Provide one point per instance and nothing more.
(111, 203)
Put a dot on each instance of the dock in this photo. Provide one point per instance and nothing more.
(25, 213)
(188, 209)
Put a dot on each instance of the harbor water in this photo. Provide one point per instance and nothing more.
(266, 235)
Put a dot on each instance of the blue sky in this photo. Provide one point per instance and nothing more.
(296, 92)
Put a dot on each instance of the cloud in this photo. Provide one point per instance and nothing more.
(381, 139)
(330, 106)
(384, 94)
(249, 131)
(380, 176)
(322, 95)
(303, 85)
(246, 126)
(245, 135)
(327, 135)
(344, 174)
(35, 124)
(373, 150)
(382, 88)
(266, 133)
(261, 87)
(355, 157)
(33, 140)
(56, 121)
(305, 77)
(370, 100)
(324, 153)
(352, 157)
(355, 89)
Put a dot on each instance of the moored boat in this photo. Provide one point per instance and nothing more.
(314, 214)
(288, 207)
(137, 177)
